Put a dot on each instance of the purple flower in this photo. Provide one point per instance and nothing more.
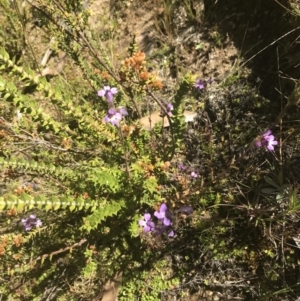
(181, 167)
(28, 185)
(147, 223)
(271, 142)
(108, 92)
(170, 108)
(194, 175)
(38, 223)
(113, 117)
(171, 234)
(122, 111)
(163, 214)
(30, 222)
(268, 140)
(200, 84)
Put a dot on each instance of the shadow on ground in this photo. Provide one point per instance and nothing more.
(266, 35)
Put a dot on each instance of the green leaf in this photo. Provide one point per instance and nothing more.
(99, 215)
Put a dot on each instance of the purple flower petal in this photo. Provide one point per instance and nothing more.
(147, 228)
(171, 234)
(181, 167)
(38, 223)
(114, 90)
(267, 140)
(112, 111)
(163, 214)
(151, 225)
(147, 217)
(194, 175)
(170, 107)
(109, 96)
(147, 223)
(200, 84)
(267, 133)
(31, 221)
(101, 93)
(122, 111)
(142, 223)
(106, 119)
(163, 207)
(166, 221)
(108, 92)
(115, 119)
(159, 215)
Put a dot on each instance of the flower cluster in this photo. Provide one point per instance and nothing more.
(267, 140)
(114, 116)
(147, 223)
(164, 221)
(201, 84)
(31, 221)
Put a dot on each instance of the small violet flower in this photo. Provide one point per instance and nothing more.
(113, 117)
(268, 140)
(194, 175)
(181, 167)
(108, 93)
(171, 234)
(122, 111)
(31, 221)
(163, 214)
(170, 108)
(147, 223)
(200, 84)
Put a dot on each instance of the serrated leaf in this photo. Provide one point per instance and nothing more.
(100, 214)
